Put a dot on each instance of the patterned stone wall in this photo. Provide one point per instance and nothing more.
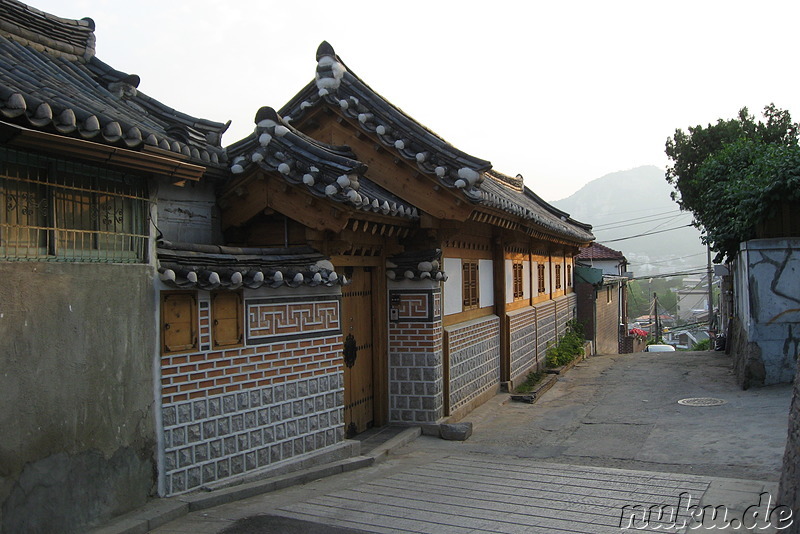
(545, 326)
(565, 312)
(226, 412)
(474, 357)
(522, 327)
(415, 355)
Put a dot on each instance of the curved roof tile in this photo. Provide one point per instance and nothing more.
(338, 86)
(51, 80)
(325, 170)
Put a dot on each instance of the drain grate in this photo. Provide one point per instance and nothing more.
(701, 401)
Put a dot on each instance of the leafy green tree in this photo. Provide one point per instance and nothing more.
(729, 174)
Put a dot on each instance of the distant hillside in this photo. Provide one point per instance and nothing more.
(632, 202)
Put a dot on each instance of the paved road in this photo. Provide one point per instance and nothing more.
(609, 434)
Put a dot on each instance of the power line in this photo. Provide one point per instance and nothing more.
(646, 234)
(676, 259)
(696, 270)
(671, 212)
(669, 217)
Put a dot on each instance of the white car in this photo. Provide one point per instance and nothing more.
(659, 348)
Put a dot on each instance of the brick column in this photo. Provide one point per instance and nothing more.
(415, 352)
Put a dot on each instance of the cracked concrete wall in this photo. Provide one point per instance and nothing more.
(189, 214)
(767, 296)
(76, 387)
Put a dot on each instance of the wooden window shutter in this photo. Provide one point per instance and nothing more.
(226, 319)
(178, 322)
(470, 284)
(540, 269)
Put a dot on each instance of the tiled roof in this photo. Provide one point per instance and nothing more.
(325, 170)
(416, 265)
(510, 195)
(50, 80)
(208, 267)
(596, 251)
(338, 86)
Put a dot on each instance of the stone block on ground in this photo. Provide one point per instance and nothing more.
(456, 431)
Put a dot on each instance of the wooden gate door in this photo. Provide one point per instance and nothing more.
(357, 335)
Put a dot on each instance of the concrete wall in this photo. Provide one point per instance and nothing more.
(78, 433)
(766, 336)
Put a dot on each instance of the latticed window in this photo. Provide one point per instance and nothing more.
(558, 277)
(58, 210)
(569, 275)
(540, 274)
(517, 279)
(469, 282)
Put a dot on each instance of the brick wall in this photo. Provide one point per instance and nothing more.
(522, 329)
(607, 317)
(415, 353)
(226, 412)
(474, 359)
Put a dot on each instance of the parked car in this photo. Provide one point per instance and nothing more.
(659, 348)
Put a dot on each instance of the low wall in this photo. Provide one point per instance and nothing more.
(78, 431)
(277, 397)
(473, 349)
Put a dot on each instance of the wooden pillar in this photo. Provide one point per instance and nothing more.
(499, 260)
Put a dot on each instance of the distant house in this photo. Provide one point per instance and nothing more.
(601, 285)
(609, 261)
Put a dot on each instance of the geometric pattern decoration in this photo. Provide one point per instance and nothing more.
(269, 320)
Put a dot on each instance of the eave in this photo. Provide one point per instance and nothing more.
(170, 167)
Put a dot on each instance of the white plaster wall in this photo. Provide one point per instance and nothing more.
(453, 300)
(486, 282)
(509, 265)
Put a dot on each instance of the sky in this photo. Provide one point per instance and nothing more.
(561, 92)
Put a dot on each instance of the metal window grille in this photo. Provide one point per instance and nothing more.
(57, 210)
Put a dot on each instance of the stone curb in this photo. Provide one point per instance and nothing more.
(162, 511)
(550, 378)
(405, 437)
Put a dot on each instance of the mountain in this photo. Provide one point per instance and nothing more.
(633, 202)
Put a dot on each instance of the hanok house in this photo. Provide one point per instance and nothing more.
(460, 276)
(91, 172)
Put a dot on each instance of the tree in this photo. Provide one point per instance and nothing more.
(727, 174)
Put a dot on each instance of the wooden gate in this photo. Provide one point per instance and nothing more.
(357, 334)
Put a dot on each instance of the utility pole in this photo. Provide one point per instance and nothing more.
(709, 272)
(658, 319)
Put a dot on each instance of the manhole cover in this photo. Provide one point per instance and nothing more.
(701, 401)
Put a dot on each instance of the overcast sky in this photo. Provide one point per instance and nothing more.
(560, 92)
